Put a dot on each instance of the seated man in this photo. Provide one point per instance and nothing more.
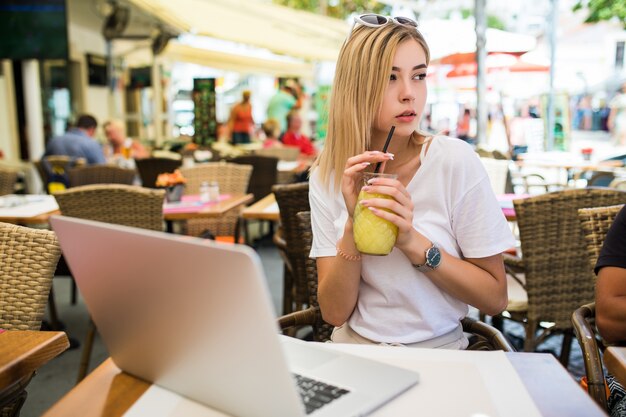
(78, 142)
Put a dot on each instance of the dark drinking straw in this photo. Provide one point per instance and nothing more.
(385, 147)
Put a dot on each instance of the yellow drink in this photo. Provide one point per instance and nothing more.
(373, 235)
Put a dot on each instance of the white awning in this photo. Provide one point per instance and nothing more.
(279, 29)
(234, 62)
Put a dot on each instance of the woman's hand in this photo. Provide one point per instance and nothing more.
(351, 180)
(400, 206)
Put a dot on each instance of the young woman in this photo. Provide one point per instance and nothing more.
(451, 230)
(240, 122)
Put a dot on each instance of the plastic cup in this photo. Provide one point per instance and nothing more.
(372, 234)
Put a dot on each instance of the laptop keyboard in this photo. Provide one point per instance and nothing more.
(316, 394)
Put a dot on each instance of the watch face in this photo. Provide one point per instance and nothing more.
(433, 257)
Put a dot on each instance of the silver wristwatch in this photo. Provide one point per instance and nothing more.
(433, 259)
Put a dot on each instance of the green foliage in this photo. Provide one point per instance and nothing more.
(492, 21)
(340, 9)
(603, 10)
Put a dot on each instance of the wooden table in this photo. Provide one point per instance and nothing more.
(109, 392)
(205, 211)
(22, 352)
(37, 210)
(264, 209)
(180, 212)
(615, 362)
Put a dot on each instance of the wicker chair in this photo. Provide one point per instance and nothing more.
(8, 179)
(595, 223)
(232, 178)
(150, 168)
(61, 164)
(111, 203)
(28, 258)
(264, 171)
(557, 278)
(483, 336)
(618, 184)
(101, 174)
(264, 176)
(292, 199)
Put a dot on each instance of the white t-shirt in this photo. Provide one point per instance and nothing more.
(454, 207)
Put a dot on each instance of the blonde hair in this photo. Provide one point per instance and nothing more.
(271, 128)
(361, 77)
(117, 124)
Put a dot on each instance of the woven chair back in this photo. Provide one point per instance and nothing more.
(264, 174)
(8, 178)
(28, 259)
(321, 329)
(558, 279)
(292, 199)
(150, 168)
(114, 203)
(231, 178)
(595, 223)
(101, 174)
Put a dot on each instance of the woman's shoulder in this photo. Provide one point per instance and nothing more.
(451, 146)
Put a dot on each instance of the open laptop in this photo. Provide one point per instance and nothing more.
(194, 316)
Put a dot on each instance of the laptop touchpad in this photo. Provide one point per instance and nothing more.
(306, 357)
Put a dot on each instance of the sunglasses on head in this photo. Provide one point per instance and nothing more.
(375, 20)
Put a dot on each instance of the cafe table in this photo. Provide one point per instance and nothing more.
(615, 362)
(27, 209)
(22, 352)
(511, 384)
(190, 207)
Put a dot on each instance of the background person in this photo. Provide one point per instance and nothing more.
(441, 202)
(271, 128)
(78, 142)
(121, 148)
(294, 137)
(240, 122)
(286, 99)
(616, 121)
(611, 300)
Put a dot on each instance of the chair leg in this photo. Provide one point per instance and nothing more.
(287, 291)
(86, 354)
(530, 339)
(55, 324)
(74, 291)
(566, 348)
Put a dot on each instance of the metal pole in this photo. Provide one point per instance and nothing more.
(111, 79)
(33, 109)
(481, 58)
(550, 104)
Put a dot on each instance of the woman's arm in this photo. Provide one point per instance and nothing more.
(480, 282)
(339, 276)
(338, 281)
(611, 303)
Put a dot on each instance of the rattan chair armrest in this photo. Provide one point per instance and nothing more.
(489, 337)
(591, 356)
(298, 318)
